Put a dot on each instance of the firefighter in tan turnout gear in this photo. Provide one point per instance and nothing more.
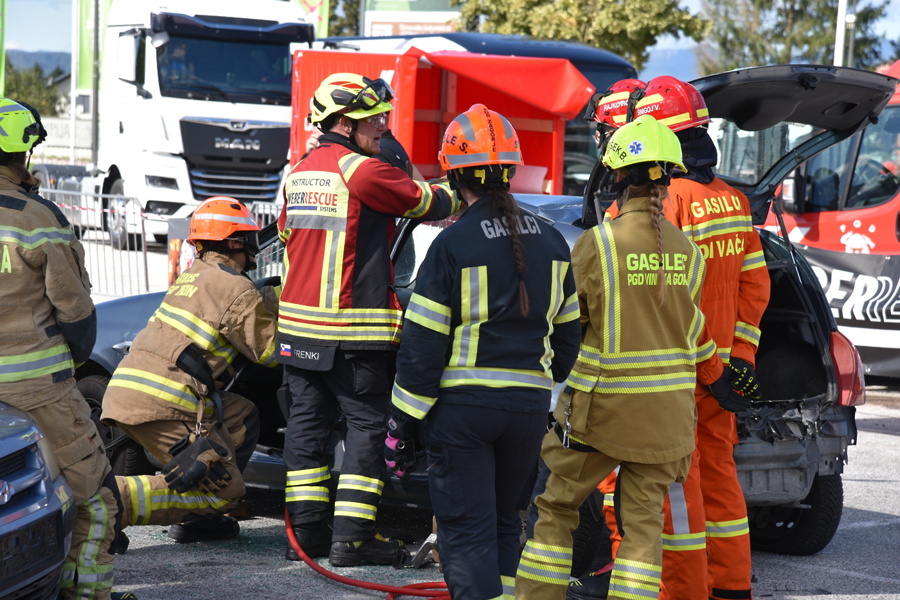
(48, 327)
(630, 397)
(165, 393)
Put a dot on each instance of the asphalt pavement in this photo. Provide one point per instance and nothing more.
(860, 563)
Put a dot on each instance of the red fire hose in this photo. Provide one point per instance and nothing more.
(434, 589)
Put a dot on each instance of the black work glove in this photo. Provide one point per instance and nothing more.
(196, 464)
(727, 397)
(400, 444)
(743, 378)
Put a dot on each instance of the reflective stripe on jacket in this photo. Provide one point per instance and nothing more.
(215, 308)
(338, 222)
(43, 283)
(464, 337)
(633, 383)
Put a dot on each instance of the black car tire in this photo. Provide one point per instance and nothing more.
(802, 531)
(126, 456)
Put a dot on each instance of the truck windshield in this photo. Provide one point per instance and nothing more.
(225, 70)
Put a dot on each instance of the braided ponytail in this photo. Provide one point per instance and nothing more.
(502, 203)
(658, 193)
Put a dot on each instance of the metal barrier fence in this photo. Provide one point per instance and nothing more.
(119, 257)
(116, 270)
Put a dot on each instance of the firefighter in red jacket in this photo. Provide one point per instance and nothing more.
(339, 318)
(706, 517)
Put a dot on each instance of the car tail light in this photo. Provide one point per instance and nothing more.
(849, 368)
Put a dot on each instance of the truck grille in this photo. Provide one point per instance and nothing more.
(246, 186)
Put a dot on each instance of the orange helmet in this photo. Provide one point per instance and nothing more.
(479, 137)
(676, 104)
(220, 217)
(615, 106)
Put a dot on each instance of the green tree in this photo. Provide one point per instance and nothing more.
(343, 18)
(625, 27)
(760, 32)
(33, 87)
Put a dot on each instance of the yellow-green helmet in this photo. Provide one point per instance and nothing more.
(644, 140)
(19, 131)
(351, 95)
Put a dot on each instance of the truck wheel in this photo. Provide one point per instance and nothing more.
(120, 236)
(125, 455)
(801, 531)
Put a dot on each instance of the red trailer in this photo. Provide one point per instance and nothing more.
(537, 95)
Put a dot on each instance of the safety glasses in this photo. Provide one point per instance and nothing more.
(379, 120)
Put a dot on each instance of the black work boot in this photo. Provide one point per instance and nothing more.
(119, 544)
(377, 551)
(313, 538)
(205, 528)
(122, 596)
(589, 587)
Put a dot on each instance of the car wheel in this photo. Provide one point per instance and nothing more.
(591, 546)
(126, 456)
(801, 531)
(120, 236)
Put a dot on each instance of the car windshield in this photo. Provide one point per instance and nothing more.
(225, 70)
(746, 156)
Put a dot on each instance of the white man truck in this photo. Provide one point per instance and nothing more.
(194, 101)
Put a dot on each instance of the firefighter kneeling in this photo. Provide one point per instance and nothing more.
(165, 394)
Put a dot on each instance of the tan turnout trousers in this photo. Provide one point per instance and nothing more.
(546, 561)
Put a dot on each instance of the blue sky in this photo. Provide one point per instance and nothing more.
(47, 25)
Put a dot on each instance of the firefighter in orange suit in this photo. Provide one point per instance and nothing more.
(48, 327)
(165, 393)
(339, 318)
(492, 324)
(706, 516)
(629, 401)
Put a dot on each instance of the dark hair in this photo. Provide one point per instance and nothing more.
(16, 162)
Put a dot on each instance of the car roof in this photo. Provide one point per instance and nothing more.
(834, 98)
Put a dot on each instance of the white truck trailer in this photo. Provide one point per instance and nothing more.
(194, 101)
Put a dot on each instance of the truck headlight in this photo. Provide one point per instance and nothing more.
(49, 457)
(156, 181)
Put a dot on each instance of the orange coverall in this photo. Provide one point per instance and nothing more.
(706, 528)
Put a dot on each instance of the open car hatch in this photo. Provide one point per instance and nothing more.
(768, 120)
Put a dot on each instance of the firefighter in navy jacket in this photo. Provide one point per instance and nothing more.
(339, 318)
(492, 324)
